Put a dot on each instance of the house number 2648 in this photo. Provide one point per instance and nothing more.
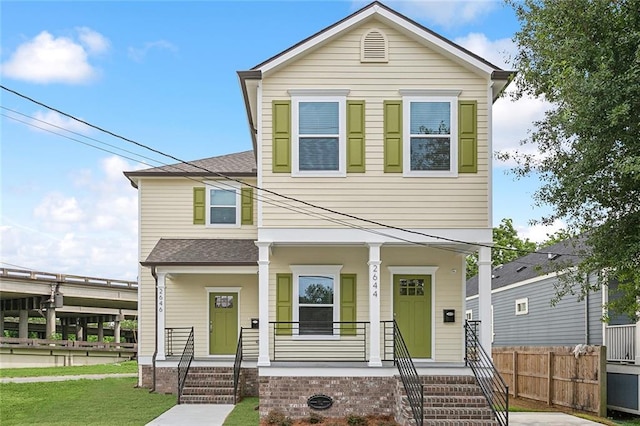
(374, 281)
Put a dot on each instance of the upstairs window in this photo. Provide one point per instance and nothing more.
(223, 205)
(318, 145)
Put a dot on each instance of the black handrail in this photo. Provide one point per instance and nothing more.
(346, 341)
(175, 339)
(236, 368)
(185, 363)
(492, 384)
(409, 376)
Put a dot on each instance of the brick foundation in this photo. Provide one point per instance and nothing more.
(249, 385)
(351, 395)
(166, 379)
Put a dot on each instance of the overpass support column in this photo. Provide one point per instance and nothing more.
(64, 324)
(116, 329)
(79, 330)
(51, 322)
(23, 325)
(1, 323)
(100, 330)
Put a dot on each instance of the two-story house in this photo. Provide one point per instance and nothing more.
(368, 183)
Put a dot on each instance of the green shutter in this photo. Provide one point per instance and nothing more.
(199, 199)
(284, 303)
(281, 137)
(467, 137)
(355, 137)
(393, 136)
(247, 206)
(348, 304)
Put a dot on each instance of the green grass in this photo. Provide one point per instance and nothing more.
(80, 402)
(123, 367)
(244, 413)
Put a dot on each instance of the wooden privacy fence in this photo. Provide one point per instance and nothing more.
(556, 375)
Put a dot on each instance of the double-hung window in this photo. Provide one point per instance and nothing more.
(223, 204)
(315, 294)
(318, 135)
(430, 135)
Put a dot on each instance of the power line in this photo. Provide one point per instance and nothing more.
(309, 204)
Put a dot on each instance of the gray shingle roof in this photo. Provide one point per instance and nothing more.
(532, 265)
(217, 252)
(238, 164)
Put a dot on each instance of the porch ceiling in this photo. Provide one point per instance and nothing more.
(202, 252)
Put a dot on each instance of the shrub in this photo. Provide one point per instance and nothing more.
(277, 418)
(356, 420)
(315, 418)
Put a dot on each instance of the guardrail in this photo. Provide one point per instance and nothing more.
(175, 339)
(48, 344)
(621, 342)
(23, 274)
(185, 363)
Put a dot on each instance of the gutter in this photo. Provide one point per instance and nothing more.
(155, 350)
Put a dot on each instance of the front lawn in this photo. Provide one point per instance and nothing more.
(122, 367)
(80, 402)
(245, 413)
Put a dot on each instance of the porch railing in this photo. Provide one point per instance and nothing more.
(319, 340)
(408, 375)
(493, 386)
(236, 368)
(175, 340)
(185, 363)
(621, 342)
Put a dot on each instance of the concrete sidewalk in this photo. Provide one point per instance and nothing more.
(64, 378)
(546, 418)
(193, 415)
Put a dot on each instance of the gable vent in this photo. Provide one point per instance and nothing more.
(374, 47)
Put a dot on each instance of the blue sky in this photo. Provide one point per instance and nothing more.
(164, 74)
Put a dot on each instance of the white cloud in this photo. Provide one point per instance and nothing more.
(55, 122)
(446, 13)
(49, 59)
(512, 119)
(91, 231)
(138, 54)
(540, 233)
(92, 40)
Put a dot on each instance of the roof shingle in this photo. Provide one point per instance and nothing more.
(216, 252)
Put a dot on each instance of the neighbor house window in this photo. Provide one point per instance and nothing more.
(430, 135)
(315, 295)
(223, 204)
(522, 306)
(318, 135)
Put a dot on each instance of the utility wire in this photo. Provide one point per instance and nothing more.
(309, 204)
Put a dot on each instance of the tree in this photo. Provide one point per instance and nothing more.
(583, 56)
(506, 239)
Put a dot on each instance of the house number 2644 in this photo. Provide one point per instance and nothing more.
(374, 281)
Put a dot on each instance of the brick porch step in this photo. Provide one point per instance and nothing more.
(208, 385)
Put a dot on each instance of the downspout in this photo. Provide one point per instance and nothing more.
(155, 350)
(586, 314)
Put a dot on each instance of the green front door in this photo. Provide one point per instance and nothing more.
(412, 312)
(223, 323)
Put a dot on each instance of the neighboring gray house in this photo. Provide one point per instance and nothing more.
(523, 315)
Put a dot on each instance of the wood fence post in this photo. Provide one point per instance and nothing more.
(515, 373)
(550, 378)
(602, 381)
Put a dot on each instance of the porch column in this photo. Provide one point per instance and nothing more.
(636, 343)
(484, 297)
(160, 313)
(23, 324)
(374, 305)
(263, 303)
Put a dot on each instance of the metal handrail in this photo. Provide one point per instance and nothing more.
(236, 368)
(185, 363)
(491, 383)
(175, 339)
(408, 375)
(343, 341)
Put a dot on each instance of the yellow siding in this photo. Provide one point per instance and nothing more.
(166, 211)
(449, 346)
(420, 202)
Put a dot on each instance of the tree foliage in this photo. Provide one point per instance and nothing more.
(508, 247)
(584, 57)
